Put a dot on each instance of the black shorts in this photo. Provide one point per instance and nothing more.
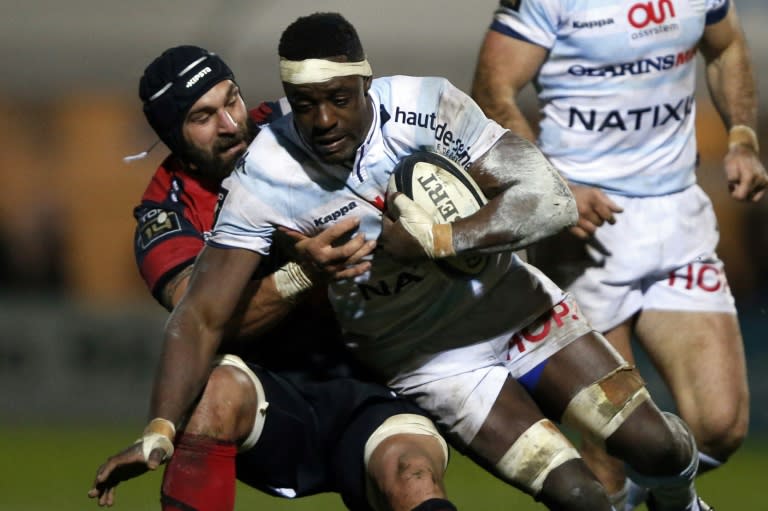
(314, 436)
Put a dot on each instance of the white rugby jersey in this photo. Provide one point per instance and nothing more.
(395, 317)
(616, 92)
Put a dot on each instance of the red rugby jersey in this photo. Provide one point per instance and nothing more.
(175, 210)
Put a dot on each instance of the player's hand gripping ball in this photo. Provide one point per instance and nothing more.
(446, 192)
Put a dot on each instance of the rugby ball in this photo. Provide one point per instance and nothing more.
(447, 192)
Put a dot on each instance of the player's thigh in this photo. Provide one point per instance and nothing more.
(227, 407)
(286, 458)
(512, 414)
(700, 355)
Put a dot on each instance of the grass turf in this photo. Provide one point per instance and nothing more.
(52, 468)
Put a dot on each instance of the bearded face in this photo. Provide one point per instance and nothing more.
(216, 131)
(218, 159)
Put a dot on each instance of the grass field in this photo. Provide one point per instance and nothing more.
(52, 469)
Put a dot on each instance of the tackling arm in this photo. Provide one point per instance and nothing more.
(201, 319)
(505, 65)
(267, 301)
(262, 304)
(196, 328)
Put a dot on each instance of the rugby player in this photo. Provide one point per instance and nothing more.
(304, 425)
(616, 86)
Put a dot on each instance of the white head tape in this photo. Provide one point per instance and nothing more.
(299, 72)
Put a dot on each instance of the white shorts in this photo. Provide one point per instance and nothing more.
(462, 401)
(660, 255)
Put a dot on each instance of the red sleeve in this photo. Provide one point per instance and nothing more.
(174, 212)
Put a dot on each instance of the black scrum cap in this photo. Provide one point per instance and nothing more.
(173, 82)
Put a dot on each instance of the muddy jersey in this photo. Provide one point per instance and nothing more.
(616, 91)
(395, 317)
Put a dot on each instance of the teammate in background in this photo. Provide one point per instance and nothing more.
(615, 83)
(490, 355)
(298, 431)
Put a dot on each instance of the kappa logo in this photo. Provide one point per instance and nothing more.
(592, 23)
(342, 211)
(197, 77)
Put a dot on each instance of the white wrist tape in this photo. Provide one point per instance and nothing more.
(158, 434)
(742, 135)
(291, 281)
(435, 239)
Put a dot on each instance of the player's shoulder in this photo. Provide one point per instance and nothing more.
(402, 93)
(717, 4)
(405, 85)
(172, 186)
(522, 7)
(271, 156)
(270, 144)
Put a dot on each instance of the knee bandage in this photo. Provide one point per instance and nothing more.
(261, 399)
(537, 452)
(404, 423)
(602, 407)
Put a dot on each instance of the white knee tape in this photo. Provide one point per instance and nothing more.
(404, 423)
(537, 452)
(261, 399)
(602, 407)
